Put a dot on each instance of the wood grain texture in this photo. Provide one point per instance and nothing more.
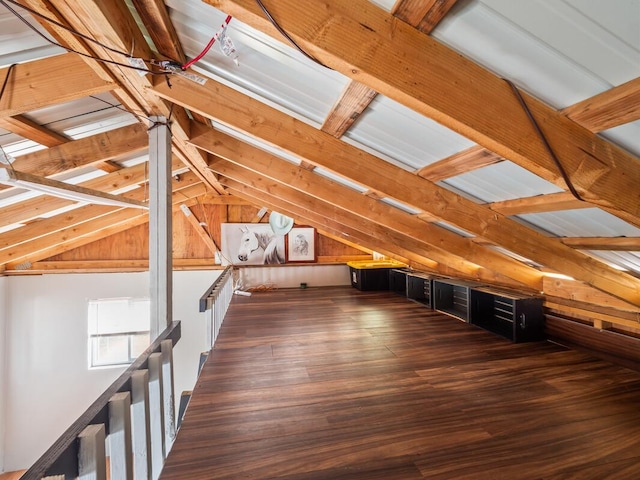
(334, 383)
(609, 109)
(261, 121)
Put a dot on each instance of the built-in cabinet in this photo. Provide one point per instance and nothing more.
(452, 297)
(419, 288)
(398, 280)
(519, 318)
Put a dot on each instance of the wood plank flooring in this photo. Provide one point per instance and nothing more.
(334, 383)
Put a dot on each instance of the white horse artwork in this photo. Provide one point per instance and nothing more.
(253, 240)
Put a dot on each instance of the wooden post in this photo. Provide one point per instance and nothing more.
(167, 394)
(156, 416)
(160, 226)
(120, 448)
(92, 461)
(140, 424)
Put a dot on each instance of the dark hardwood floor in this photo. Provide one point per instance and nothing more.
(334, 383)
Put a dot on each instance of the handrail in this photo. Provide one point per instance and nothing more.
(216, 284)
(215, 303)
(62, 457)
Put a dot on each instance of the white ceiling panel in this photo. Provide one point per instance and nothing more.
(551, 48)
(18, 42)
(501, 181)
(622, 260)
(345, 182)
(404, 135)
(627, 136)
(268, 69)
(588, 222)
(400, 206)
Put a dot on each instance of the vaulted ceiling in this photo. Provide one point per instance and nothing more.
(494, 138)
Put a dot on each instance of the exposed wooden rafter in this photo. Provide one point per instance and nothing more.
(111, 23)
(604, 243)
(85, 151)
(445, 247)
(77, 234)
(540, 203)
(27, 128)
(459, 94)
(611, 108)
(30, 84)
(356, 97)
(274, 127)
(462, 162)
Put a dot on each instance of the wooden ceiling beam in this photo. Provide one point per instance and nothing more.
(155, 17)
(78, 234)
(86, 151)
(609, 109)
(42, 83)
(271, 126)
(286, 199)
(111, 23)
(27, 128)
(425, 15)
(43, 204)
(462, 162)
(625, 244)
(338, 231)
(361, 241)
(353, 101)
(352, 202)
(540, 203)
(318, 211)
(455, 92)
(356, 97)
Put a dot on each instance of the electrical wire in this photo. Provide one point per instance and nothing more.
(86, 55)
(286, 35)
(65, 27)
(120, 107)
(6, 79)
(545, 142)
(208, 46)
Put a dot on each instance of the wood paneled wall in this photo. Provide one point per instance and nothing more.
(133, 244)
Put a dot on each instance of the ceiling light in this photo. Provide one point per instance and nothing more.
(59, 189)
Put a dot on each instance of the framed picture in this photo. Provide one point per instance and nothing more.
(251, 244)
(301, 245)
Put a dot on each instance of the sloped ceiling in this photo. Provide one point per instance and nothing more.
(449, 134)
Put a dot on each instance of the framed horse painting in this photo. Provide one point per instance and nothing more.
(251, 244)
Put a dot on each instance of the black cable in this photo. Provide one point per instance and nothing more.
(286, 35)
(120, 107)
(69, 49)
(545, 142)
(6, 79)
(63, 26)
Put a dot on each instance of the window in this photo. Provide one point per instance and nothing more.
(118, 330)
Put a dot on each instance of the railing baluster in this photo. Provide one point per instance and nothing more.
(92, 461)
(141, 424)
(120, 449)
(156, 415)
(167, 395)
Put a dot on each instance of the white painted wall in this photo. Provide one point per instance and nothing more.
(48, 384)
(3, 345)
(293, 276)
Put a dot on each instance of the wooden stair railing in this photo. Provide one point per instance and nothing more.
(136, 413)
(215, 303)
